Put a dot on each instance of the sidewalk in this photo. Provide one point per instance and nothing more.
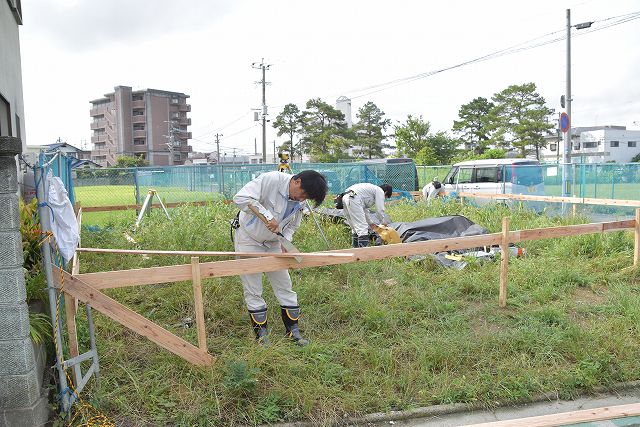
(516, 413)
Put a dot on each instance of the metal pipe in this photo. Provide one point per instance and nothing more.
(43, 212)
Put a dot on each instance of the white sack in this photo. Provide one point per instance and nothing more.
(63, 221)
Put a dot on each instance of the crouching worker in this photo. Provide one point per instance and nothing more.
(432, 190)
(355, 202)
(278, 196)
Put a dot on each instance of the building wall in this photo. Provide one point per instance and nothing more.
(12, 105)
(138, 123)
(594, 145)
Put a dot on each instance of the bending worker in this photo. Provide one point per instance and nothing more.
(278, 196)
(356, 201)
(432, 190)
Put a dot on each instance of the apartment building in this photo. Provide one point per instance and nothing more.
(150, 123)
(596, 144)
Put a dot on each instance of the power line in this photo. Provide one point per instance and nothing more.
(502, 52)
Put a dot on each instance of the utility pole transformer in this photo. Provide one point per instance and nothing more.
(264, 67)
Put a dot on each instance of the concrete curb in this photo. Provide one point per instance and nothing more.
(453, 408)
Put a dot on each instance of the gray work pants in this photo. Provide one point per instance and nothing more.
(252, 283)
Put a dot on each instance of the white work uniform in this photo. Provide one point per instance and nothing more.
(357, 200)
(430, 192)
(269, 193)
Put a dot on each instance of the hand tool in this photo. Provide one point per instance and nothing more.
(286, 244)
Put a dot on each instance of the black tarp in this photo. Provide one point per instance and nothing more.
(442, 227)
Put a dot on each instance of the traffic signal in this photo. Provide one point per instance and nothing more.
(562, 101)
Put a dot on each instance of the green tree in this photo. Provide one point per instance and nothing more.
(289, 122)
(324, 132)
(476, 124)
(131, 162)
(523, 117)
(490, 153)
(411, 137)
(443, 146)
(369, 130)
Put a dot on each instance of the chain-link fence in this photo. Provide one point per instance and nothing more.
(596, 181)
(129, 186)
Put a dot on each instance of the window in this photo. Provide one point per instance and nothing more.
(100, 145)
(489, 174)
(175, 115)
(614, 144)
(99, 158)
(176, 157)
(464, 175)
(5, 117)
(576, 146)
(553, 147)
(590, 144)
(18, 133)
(174, 100)
(138, 126)
(139, 141)
(631, 144)
(137, 98)
(138, 112)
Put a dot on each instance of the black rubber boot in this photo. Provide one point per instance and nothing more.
(259, 323)
(290, 316)
(363, 241)
(354, 240)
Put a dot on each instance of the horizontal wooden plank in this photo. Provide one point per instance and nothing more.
(565, 418)
(569, 230)
(132, 320)
(555, 199)
(136, 207)
(214, 253)
(147, 276)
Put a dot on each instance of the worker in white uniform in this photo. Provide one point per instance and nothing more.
(356, 201)
(432, 190)
(278, 196)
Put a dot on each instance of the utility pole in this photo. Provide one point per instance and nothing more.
(234, 155)
(218, 135)
(566, 190)
(567, 137)
(264, 67)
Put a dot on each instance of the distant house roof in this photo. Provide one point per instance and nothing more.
(57, 145)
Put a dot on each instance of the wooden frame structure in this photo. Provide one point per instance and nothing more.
(87, 287)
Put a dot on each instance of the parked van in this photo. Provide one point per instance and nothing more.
(496, 176)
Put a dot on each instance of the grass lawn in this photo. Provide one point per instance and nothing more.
(385, 335)
(113, 195)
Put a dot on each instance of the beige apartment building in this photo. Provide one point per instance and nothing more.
(150, 123)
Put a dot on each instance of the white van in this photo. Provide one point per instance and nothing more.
(495, 176)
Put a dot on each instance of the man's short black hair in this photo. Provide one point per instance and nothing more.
(314, 184)
(388, 190)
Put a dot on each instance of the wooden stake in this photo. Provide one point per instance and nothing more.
(636, 245)
(504, 265)
(70, 312)
(197, 299)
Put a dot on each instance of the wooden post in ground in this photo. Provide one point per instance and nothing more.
(197, 299)
(636, 245)
(504, 265)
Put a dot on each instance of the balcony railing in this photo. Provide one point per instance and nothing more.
(138, 103)
(139, 119)
(184, 107)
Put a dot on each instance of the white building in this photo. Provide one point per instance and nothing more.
(11, 103)
(596, 144)
(343, 104)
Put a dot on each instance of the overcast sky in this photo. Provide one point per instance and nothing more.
(74, 51)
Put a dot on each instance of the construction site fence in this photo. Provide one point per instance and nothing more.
(127, 186)
(611, 181)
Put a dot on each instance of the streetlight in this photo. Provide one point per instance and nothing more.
(567, 136)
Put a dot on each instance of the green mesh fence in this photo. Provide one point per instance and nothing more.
(601, 181)
(110, 187)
